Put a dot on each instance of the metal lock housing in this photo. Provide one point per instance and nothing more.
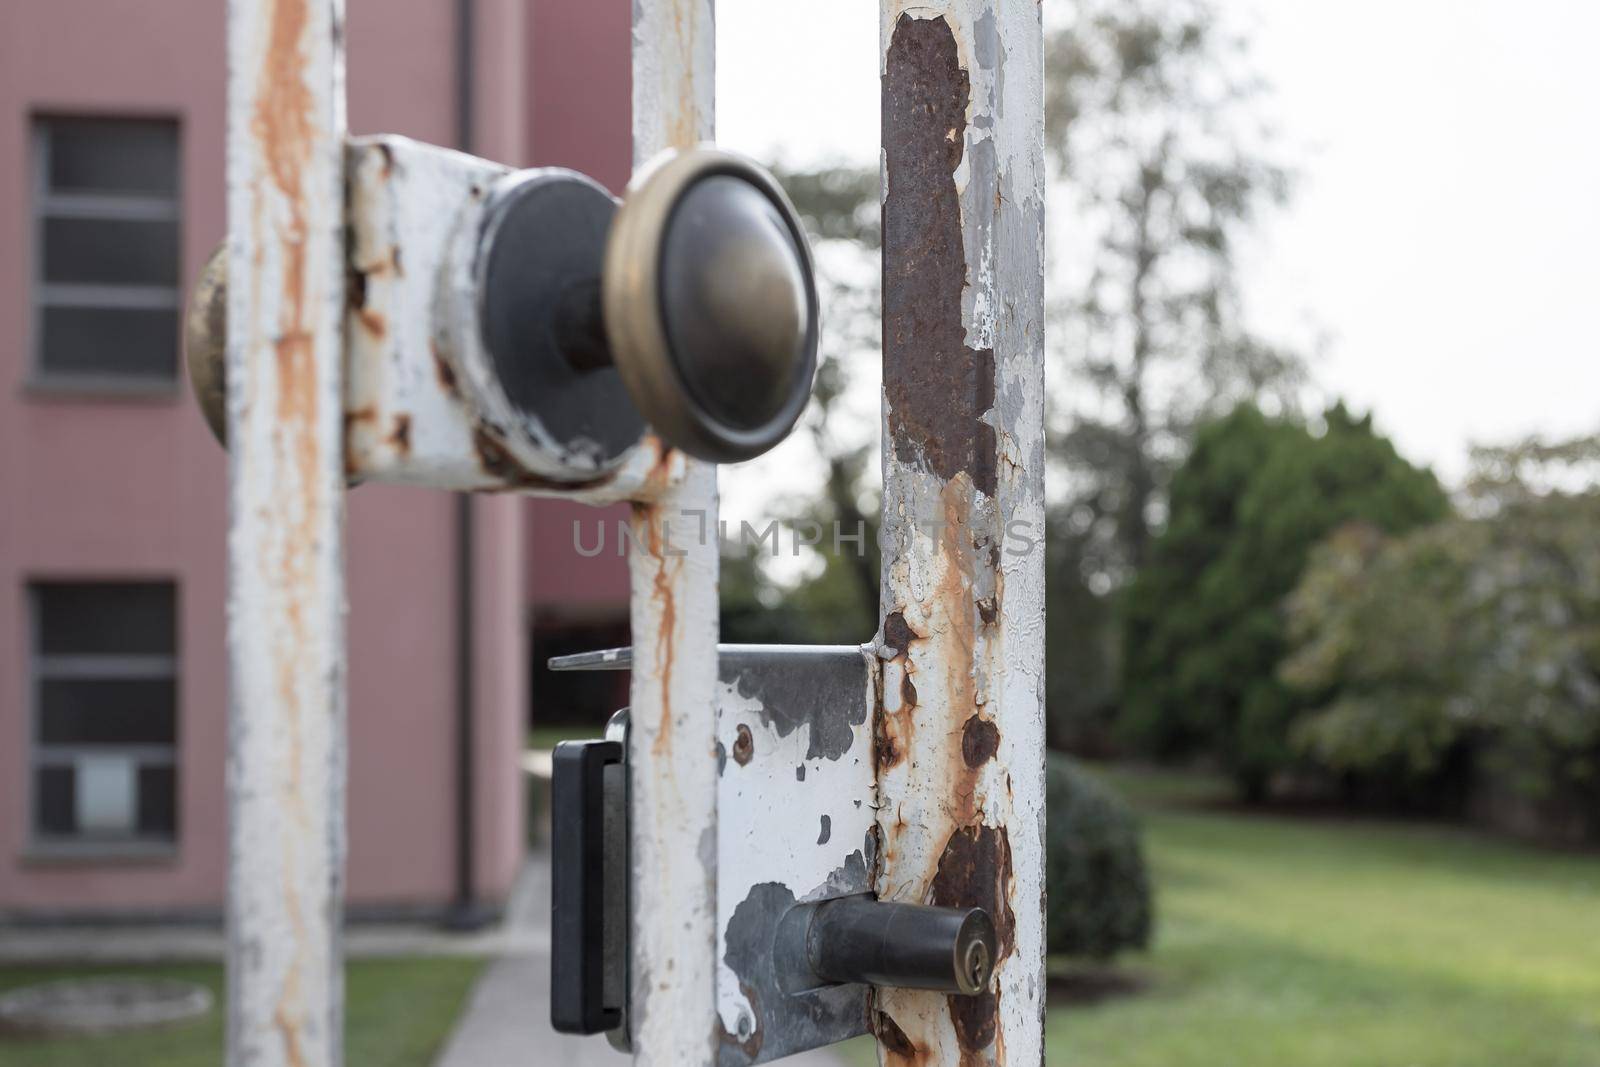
(801, 937)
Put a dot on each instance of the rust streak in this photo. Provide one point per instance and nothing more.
(897, 1047)
(975, 871)
(373, 322)
(908, 691)
(498, 463)
(284, 126)
(443, 370)
(647, 516)
(683, 128)
(400, 436)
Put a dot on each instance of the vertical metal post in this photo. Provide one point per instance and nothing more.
(673, 762)
(286, 645)
(960, 726)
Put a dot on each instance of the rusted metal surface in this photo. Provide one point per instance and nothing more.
(959, 727)
(673, 766)
(286, 750)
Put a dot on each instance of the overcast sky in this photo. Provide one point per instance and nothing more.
(1445, 235)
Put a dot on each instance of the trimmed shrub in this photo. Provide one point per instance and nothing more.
(1098, 888)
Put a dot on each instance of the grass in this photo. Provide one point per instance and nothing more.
(1318, 942)
(398, 1014)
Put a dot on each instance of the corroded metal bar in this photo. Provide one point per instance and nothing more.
(286, 644)
(960, 725)
(673, 766)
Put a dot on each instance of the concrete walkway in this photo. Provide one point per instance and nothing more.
(507, 1019)
(157, 943)
(506, 1022)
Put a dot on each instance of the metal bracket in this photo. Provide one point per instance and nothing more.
(422, 402)
(589, 890)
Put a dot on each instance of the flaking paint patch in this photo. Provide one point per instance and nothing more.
(897, 633)
(779, 1021)
(980, 740)
(936, 387)
(788, 697)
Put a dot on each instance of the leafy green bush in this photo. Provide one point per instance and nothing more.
(1474, 641)
(1095, 877)
(1205, 632)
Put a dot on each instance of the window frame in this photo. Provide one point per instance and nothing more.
(43, 204)
(43, 666)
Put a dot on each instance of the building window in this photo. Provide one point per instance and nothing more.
(106, 252)
(105, 714)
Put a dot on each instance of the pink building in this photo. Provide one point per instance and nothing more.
(113, 712)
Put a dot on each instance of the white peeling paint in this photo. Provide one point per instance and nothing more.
(286, 601)
(773, 798)
(673, 770)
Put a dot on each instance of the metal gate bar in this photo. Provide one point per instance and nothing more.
(960, 728)
(286, 601)
(673, 767)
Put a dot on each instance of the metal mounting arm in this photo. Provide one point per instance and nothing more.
(516, 329)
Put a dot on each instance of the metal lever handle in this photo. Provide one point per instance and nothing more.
(909, 946)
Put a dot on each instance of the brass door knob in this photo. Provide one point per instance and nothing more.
(710, 304)
(694, 300)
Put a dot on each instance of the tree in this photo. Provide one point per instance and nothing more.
(1163, 164)
(838, 600)
(1204, 624)
(1473, 642)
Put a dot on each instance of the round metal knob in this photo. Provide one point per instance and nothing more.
(710, 305)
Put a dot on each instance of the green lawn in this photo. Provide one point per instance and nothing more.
(398, 1013)
(1311, 942)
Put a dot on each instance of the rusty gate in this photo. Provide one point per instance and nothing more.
(775, 848)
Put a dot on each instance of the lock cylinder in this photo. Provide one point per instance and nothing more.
(901, 945)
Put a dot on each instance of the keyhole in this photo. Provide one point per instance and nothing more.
(978, 964)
